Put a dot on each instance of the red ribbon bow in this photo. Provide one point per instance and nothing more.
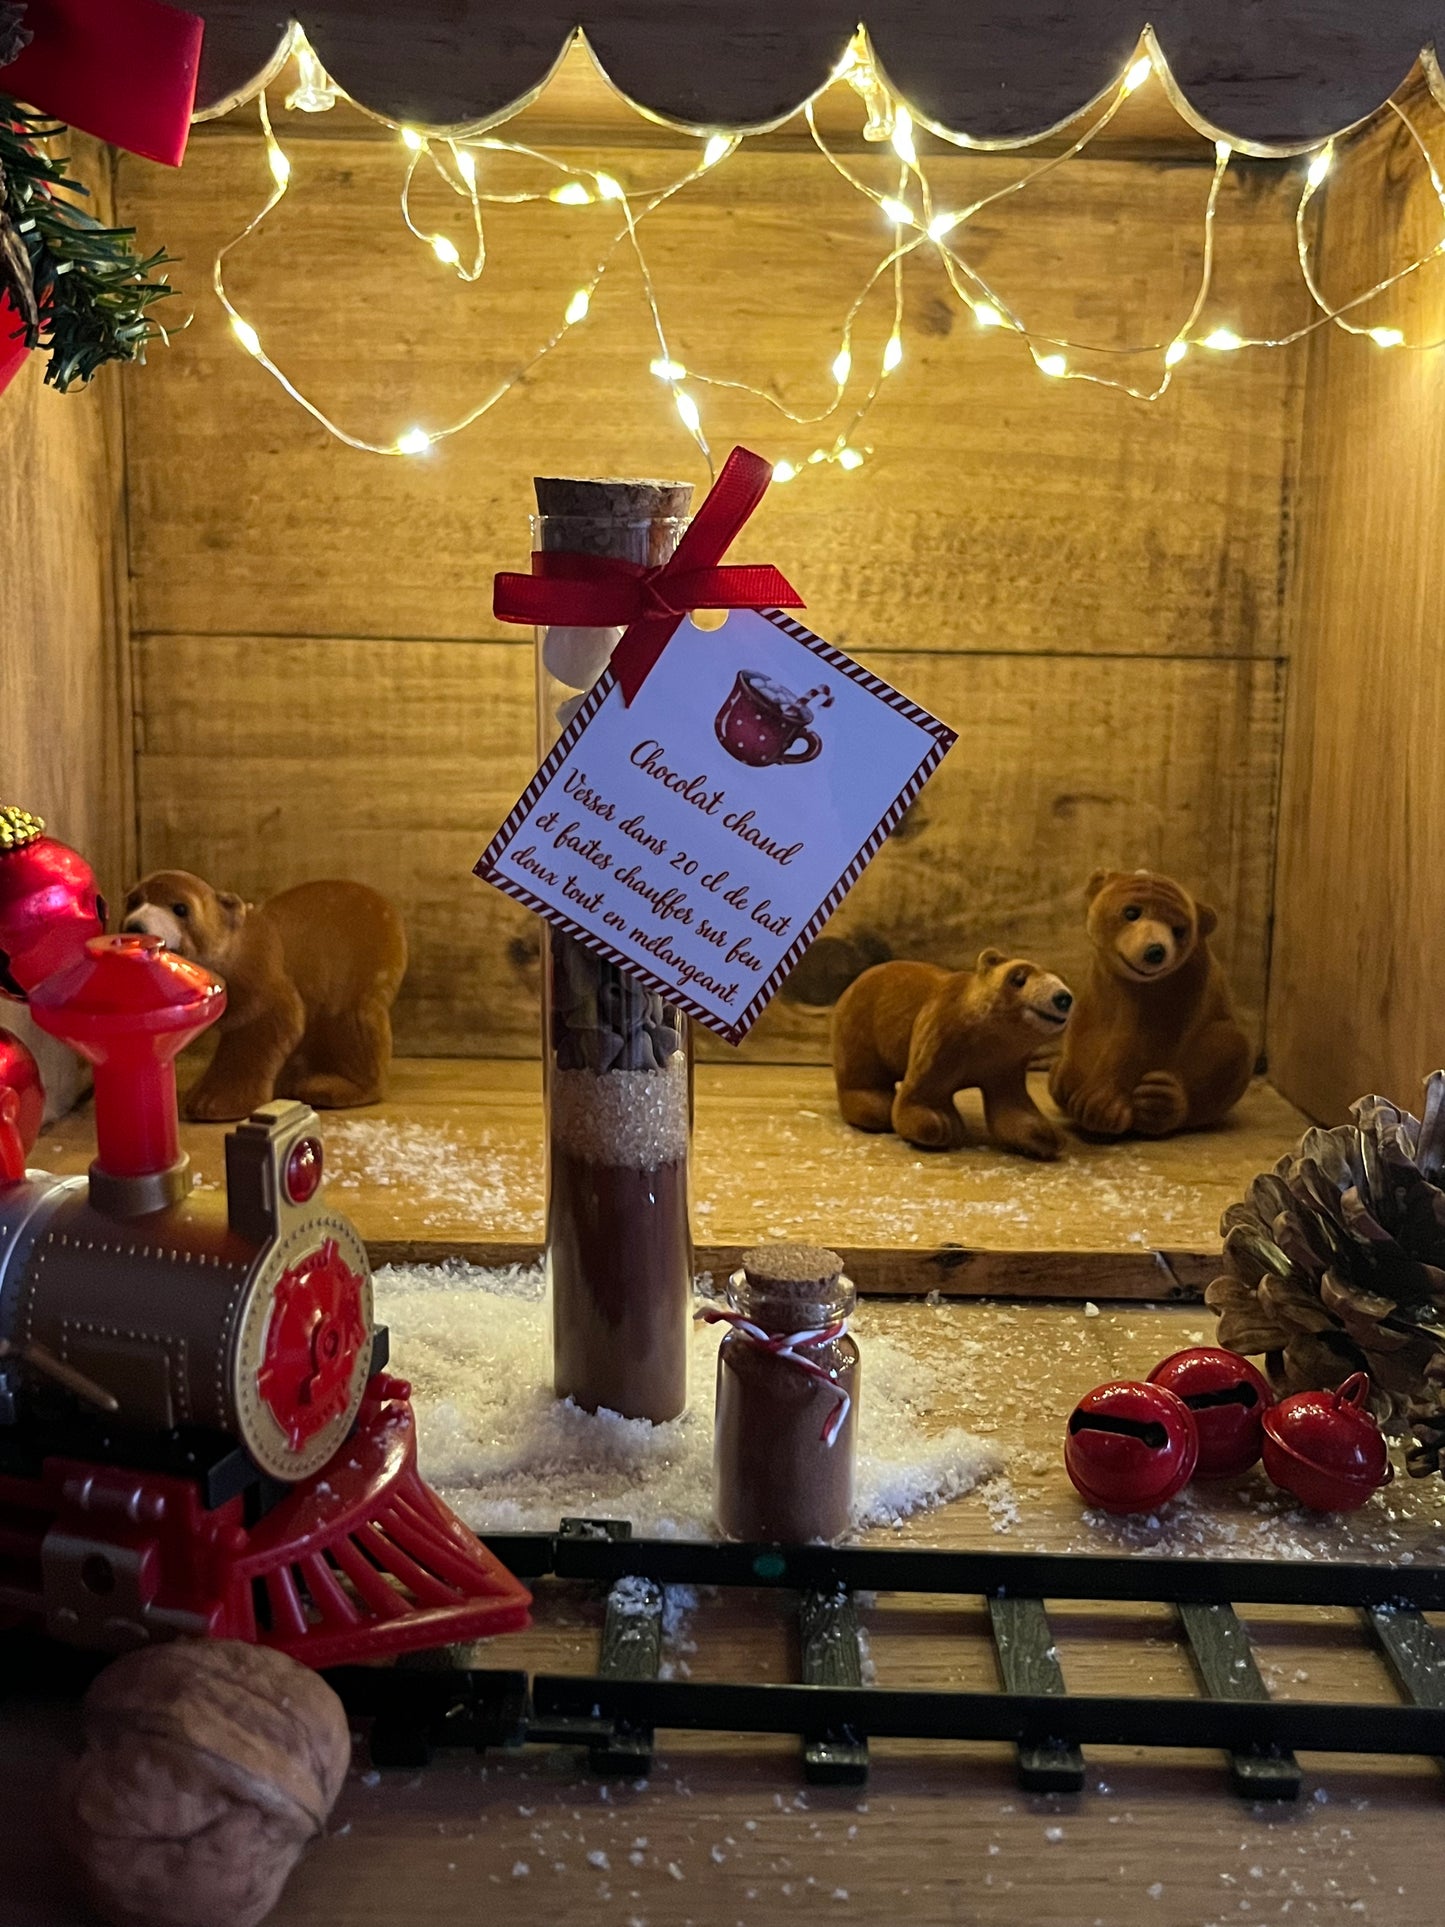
(599, 591)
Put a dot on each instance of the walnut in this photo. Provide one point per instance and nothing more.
(209, 1766)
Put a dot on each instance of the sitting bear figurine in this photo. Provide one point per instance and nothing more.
(310, 979)
(932, 1032)
(1154, 1045)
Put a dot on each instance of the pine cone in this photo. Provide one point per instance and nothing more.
(1335, 1263)
(13, 36)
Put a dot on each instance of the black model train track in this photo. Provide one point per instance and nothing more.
(614, 1712)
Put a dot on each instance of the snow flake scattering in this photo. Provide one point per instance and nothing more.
(509, 1456)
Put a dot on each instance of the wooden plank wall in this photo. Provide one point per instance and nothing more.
(1091, 590)
(64, 724)
(1356, 1002)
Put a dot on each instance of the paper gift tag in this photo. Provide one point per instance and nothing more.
(702, 836)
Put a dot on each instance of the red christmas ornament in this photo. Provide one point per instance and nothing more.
(1326, 1449)
(1129, 1447)
(22, 1106)
(1228, 1398)
(49, 905)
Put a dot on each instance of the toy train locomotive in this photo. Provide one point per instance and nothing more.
(198, 1434)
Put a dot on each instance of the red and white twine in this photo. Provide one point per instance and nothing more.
(791, 1346)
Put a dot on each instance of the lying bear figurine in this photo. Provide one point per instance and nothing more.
(310, 979)
(1154, 1045)
(932, 1032)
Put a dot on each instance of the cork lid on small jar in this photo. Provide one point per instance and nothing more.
(791, 1287)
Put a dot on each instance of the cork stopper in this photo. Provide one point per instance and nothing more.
(626, 501)
(788, 1286)
(637, 521)
(18, 828)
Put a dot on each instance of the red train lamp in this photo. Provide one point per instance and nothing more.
(197, 1431)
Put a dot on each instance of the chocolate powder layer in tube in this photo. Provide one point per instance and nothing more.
(619, 1081)
(775, 1476)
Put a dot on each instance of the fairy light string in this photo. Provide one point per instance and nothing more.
(919, 225)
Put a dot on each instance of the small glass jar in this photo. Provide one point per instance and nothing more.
(786, 1436)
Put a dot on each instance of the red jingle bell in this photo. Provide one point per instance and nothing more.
(49, 905)
(22, 1106)
(1326, 1449)
(1228, 1398)
(1130, 1447)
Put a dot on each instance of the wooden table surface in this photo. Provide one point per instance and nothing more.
(725, 1832)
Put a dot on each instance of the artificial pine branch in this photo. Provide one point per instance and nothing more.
(80, 289)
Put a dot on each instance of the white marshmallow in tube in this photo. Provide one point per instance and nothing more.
(577, 657)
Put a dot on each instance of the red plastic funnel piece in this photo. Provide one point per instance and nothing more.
(130, 1006)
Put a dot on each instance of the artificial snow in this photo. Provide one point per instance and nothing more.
(509, 1456)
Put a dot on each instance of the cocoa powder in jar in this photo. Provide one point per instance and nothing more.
(776, 1476)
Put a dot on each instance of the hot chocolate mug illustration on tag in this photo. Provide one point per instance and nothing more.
(761, 723)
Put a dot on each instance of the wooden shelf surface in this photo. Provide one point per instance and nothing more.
(451, 1165)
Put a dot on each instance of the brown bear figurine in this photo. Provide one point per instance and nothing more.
(1154, 1045)
(931, 1032)
(310, 979)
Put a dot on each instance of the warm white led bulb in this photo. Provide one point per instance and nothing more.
(717, 146)
(903, 136)
(412, 139)
(1175, 353)
(608, 188)
(898, 212)
(1223, 340)
(246, 335)
(444, 250)
(578, 306)
(415, 441)
(1053, 365)
(1222, 150)
(666, 370)
(818, 455)
(1387, 337)
(1320, 166)
(687, 408)
(1138, 74)
(783, 471)
(467, 166)
(280, 166)
(842, 366)
(571, 194)
(850, 458)
(892, 353)
(942, 224)
(987, 315)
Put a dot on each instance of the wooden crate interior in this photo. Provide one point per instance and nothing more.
(1195, 635)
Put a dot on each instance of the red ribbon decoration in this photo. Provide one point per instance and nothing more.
(599, 591)
(123, 70)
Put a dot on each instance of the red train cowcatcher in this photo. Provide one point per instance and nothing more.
(197, 1431)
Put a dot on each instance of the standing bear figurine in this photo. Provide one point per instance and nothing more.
(310, 979)
(1154, 1045)
(908, 1036)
